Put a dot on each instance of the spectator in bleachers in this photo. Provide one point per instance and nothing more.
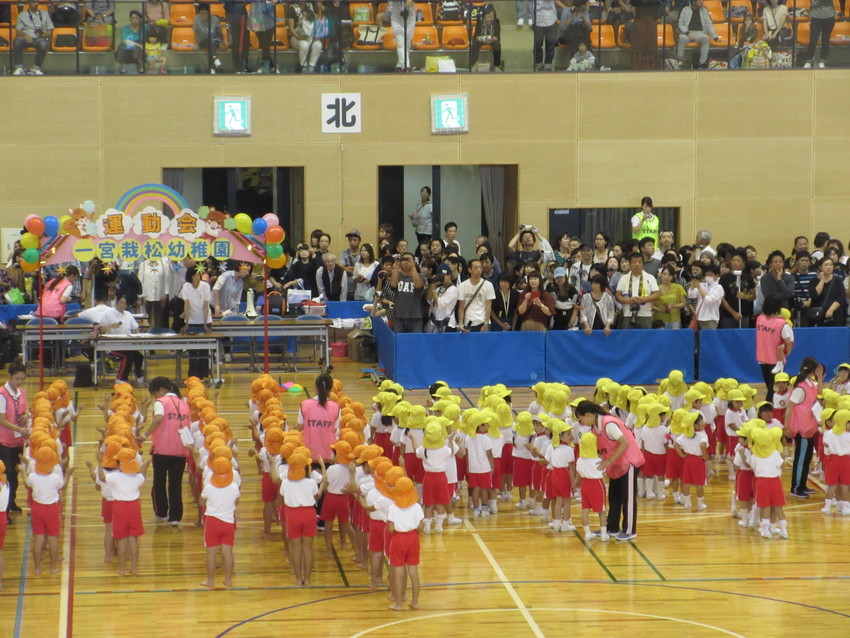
(839, 251)
(363, 270)
(829, 302)
(524, 246)
(262, 22)
(575, 26)
(580, 270)
(536, 306)
(703, 245)
(671, 300)
(620, 12)
(545, 31)
(423, 218)
(437, 249)
(302, 272)
(157, 16)
(64, 14)
(331, 280)
(708, 295)
(565, 299)
(101, 11)
(488, 268)
(801, 244)
(666, 241)
(523, 12)
(601, 251)
(802, 282)
(820, 242)
(651, 265)
(322, 247)
(403, 20)
(747, 31)
(774, 18)
(776, 281)
(207, 29)
(408, 285)
(32, 29)
(236, 14)
(488, 32)
(131, 44)
(637, 291)
(349, 257)
(583, 60)
(301, 19)
(563, 253)
(739, 290)
(340, 35)
(695, 26)
(503, 309)
(598, 309)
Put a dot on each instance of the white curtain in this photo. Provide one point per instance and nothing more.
(493, 195)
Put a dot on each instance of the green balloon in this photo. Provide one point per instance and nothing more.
(273, 251)
(31, 255)
(229, 224)
(203, 211)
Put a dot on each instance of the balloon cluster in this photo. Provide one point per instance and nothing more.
(268, 226)
(31, 240)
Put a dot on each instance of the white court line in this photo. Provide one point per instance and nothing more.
(502, 611)
(504, 580)
(65, 588)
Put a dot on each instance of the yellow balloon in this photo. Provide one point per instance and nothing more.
(280, 262)
(62, 220)
(28, 240)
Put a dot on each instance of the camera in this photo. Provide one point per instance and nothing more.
(634, 315)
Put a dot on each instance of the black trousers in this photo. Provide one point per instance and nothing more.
(175, 309)
(11, 457)
(767, 375)
(199, 361)
(622, 503)
(167, 490)
(803, 449)
(237, 25)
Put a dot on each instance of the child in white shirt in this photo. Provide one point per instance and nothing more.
(592, 487)
(692, 445)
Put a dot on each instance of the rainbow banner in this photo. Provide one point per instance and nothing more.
(130, 200)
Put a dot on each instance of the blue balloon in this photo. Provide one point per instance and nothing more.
(259, 226)
(51, 226)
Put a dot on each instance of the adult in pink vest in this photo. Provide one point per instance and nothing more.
(170, 414)
(621, 458)
(774, 340)
(318, 420)
(13, 430)
(57, 294)
(801, 424)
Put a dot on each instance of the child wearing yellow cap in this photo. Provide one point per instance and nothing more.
(4, 505)
(127, 523)
(692, 446)
(836, 444)
(561, 456)
(781, 395)
(733, 421)
(653, 442)
(841, 381)
(435, 453)
(218, 499)
(522, 462)
(480, 463)
(404, 520)
(538, 469)
(592, 487)
(744, 481)
(767, 467)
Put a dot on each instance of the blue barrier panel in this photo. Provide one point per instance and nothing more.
(628, 356)
(385, 339)
(346, 310)
(470, 360)
(10, 312)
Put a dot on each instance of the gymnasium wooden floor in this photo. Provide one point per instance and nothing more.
(687, 574)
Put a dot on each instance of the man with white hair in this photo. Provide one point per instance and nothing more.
(331, 280)
(703, 245)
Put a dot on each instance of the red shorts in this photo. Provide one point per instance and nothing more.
(720, 429)
(837, 471)
(507, 458)
(195, 476)
(731, 445)
(301, 521)
(483, 480)
(560, 485)
(769, 492)
(522, 472)
(281, 512)
(546, 481)
(693, 470)
(435, 489)
(3, 519)
(461, 468)
(497, 473)
(593, 494)
(106, 510)
(404, 549)
(45, 519)
(65, 438)
(335, 506)
(388, 539)
(376, 535)
(536, 475)
(268, 489)
(217, 532)
(655, 465)
(127, 519)
(744, 485)
(413, 467)
(383, 439)
(396, 452)
(673, 467)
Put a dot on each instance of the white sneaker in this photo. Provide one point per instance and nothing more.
(520, 22)
(687, 505)
(217, 63)
(476, 513)
(485, 512)
(821, 65)
(807, 65)
(537, 511)
(426, 529)
(845, 511)
(520, 506)
(567, 526)
(453, 520)
(19, 71)
(783, 534)
(735, 514)
(36, 71)
(701, 507)
(650, 496)
(438, 529)
(603, 536)
(660, 497)
(589, 536)
(743, 523)
(228, 358)
(555, 525)
(826, 509)
(765, 533)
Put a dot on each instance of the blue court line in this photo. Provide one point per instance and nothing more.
(22, 579)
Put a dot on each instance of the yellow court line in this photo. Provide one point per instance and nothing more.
(504, 580)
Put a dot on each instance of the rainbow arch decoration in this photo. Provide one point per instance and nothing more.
(130, 200)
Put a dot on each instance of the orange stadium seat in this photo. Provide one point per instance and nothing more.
(426, 38)
(455, 38)
(183, 39)
(182, 15)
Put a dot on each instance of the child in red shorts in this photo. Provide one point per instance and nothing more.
(561, 457)
(218, 499)
(479, 460)
(592, 487)
(836, 443)
(653, 442)
(300, 492)
(127, 523)
(47, 484)
(404, 519)
(336, 505)
(376, 503)
(266, 461)
(434, 454)
(692, 446)
(767, 468)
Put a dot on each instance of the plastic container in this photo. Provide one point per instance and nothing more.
(339, 349)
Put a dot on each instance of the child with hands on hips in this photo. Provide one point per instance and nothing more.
(592, 487)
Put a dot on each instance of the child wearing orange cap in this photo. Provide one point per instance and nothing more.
(300, 492)
(266, 458)
(376, 503)
(126, 511)
(47, 487)
(106, 504)
(4, 505)
(336, 505)
(219, 498)
(404, 521)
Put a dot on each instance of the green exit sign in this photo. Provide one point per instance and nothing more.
(232, 116)
(450, 114)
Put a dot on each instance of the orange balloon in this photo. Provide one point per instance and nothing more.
(28, 267)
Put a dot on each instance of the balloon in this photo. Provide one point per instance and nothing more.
(31, 255)
(271, 219)
(280, 262)
(243, 223)
(229, 223)
(51, 226)
(28, 267)
(273, 251)
(274, 235)
(259, 226)
(28, 240)
(35, 225)
(62, 220)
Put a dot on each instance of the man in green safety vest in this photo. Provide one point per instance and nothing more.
(645, 223)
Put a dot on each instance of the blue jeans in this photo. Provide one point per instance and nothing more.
(550, 35)
(522, 10)
(407, 324)
(41, 45)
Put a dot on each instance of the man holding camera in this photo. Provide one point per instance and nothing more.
(32, 30)
(407, 304)
(442, 296)
(475, 300)
(708, 292)
(637, 291)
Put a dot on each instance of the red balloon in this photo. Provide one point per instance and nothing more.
(274, 234)
(35, 225)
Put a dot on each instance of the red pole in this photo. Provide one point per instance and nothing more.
(266, 319)
(40, 333)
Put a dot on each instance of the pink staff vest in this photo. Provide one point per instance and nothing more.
(768, 337)
(319, 427)
(165, 439)
(51, 302)
(803, 421)
(606, 446)
(14, 410)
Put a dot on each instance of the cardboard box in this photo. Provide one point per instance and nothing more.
(362, 346)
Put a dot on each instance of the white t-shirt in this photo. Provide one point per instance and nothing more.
(412, 439)
(101, 314)
(836, 444)
(338, 477)
(476, 453)
(105, 489)
(588, 468)
(630, 286)
(734, 421)
(770, 467)
(475, 303)
(199, 299)
(299, 493)
(743, 455)
(498, 443)
(434, 460)
(561, 456)
(381, 504)
(128, 323)
(693, 444)
(208, 473)
(405, 519)
(125, 487)
(45, 487)
(221, 501)
(520, 451)
(655, 439)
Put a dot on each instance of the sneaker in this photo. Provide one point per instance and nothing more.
(438, 529)
(660, 497)
(174, 523)
(845, 511)
(567, 526)
(603, 536)
(783, 533)
(520, 22)
(555, 525)
(687, 505)
(701, 507)
(799, 494)
(622, 536)
(807, 65)
(19, 71)
(217, 63)
(650, 496)
(36, 71)
(453, 520)
(821, 65)
(485, 512)
(765, 533)
(590, 536)
(547, 67)
(521, 506)
(735, 514)
(476, 513)
(228, 358)
(538, 67)
(808, 490)
(826, 509)
(536, 511)
(743, 523)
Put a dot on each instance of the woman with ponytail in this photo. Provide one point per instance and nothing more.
(318, 419)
